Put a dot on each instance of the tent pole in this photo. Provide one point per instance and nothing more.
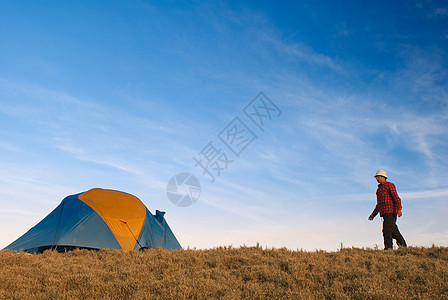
(131, 233)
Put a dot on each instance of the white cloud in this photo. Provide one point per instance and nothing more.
(426, 194)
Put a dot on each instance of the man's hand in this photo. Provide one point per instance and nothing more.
(399, 214)
(371, 218)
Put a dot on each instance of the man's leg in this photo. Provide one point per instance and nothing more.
(397, 235)
(388, 229)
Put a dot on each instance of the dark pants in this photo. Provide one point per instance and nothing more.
(390, 231)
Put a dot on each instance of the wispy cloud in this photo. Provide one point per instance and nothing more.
(426, 194)
(299, 52)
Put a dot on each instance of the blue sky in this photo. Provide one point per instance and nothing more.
(123, 95)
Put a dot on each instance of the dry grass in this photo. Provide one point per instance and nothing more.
(226, 273)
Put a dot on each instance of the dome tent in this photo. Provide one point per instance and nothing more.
(97, 219)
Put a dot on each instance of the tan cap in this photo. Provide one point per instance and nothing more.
(381, 173)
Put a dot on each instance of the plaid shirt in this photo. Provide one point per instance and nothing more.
(387, 199)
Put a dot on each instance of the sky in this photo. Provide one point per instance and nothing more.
(282, 110)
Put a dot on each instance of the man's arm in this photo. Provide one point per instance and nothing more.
(395, 198)
(374, 213)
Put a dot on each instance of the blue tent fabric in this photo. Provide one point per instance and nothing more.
(79, 225)
(74, 224)
(157, 233)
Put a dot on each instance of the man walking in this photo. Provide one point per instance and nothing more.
(389, 207)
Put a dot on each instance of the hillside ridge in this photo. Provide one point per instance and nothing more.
(226, 273)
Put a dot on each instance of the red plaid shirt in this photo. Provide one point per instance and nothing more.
(387, 199)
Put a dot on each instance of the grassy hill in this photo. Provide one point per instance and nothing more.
(226, 273)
